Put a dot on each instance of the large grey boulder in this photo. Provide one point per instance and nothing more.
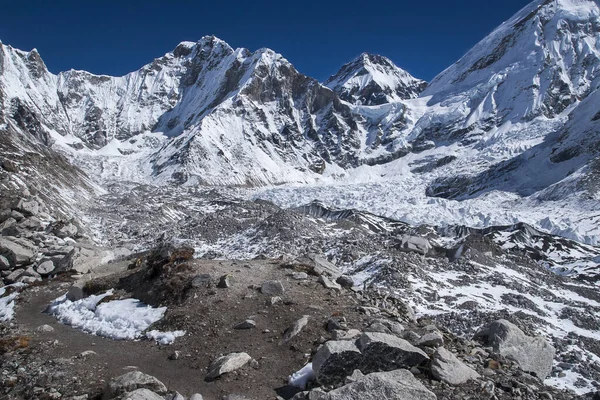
(132, 381)
(447, 368)
(226, 364)
(335, 360)
(415, 244)
(18, 251)
(385, 352)
(28, 207)
(142, 394)
(533, 354)
(392, 385)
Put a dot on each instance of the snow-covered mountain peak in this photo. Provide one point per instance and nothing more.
(372, 80)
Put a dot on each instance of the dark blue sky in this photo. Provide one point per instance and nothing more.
(116, 37)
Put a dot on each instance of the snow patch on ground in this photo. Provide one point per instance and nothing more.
(116, 319)
(7, 302)
(301, 378)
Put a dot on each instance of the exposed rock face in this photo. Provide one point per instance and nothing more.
(394, 385)
(534, 354)
(447, 368)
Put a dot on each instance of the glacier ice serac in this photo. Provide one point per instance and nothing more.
(508, 133)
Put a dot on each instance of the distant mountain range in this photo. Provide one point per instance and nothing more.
(519, 113)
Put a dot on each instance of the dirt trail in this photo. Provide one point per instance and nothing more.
(208, 316)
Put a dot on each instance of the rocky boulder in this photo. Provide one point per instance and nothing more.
(228, 363)
(18, 251)
(447, 368)
(415, 244)
(272, 288)
(533, 354)
(45, 268)
(28, 207)
(133, 381)
(335, 360)
(384, 352)
(142, 394)
(393, 385)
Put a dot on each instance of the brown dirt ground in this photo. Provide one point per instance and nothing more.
(208, 315)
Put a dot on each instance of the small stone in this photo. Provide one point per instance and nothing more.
(300, 276)
(196, 396)
(272, 288)
(226, 281)
(492, 364)
(44, 328)
(274, 300)
(295, 329)
(254, 364)
(226, 364)
(87, 353)
(345, 281)
(203, 280)
(328, 284)
(45, 268)
(175, 355)
(247, 324)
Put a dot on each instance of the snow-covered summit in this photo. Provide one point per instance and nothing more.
(372, 80)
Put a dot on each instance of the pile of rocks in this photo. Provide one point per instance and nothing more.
(392, 361)
(34, 245)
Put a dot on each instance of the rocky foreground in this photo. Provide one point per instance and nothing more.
(249, 327)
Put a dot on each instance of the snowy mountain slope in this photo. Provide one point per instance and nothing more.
(373, 80)
(537, 64)
(273, 125)
(253, 111)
